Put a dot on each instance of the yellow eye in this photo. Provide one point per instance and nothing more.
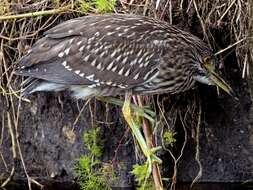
(208, 64)
(207, 60)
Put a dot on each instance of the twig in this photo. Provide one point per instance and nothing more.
(230, 46)
(170, 11)
(145, 9)
(245, 67)
(157, 4)
(79, 114)
(219, 21)
(14, 154)
(35, 14)
(120, 143)
(201, 22)
(197, 147)
(16, 119)
(43, 27)
(9, 124)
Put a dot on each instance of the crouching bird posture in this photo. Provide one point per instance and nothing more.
(108, 55)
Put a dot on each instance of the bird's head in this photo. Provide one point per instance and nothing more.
(206, 73)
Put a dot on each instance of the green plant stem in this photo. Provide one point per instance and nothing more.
(149, 140)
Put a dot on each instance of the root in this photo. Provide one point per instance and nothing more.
(197, 156)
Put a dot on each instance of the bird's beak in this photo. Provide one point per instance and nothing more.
(218, 81)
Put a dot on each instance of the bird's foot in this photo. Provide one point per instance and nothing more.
(137, 111)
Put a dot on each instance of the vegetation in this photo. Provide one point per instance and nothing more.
(101, 6)
(169, 138)
(89, 170)
(142, 177)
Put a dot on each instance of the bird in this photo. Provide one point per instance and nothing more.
(108, 55)
(122, 54)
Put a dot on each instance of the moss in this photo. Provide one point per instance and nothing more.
(142, 177)
(91, 173)
(169, 138)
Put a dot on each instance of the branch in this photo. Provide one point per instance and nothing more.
(35, 14)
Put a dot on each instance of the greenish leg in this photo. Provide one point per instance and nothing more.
(149, 153)
(127, 109)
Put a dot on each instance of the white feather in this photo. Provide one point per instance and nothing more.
(48, 86)
(203, 79)
(81, 92)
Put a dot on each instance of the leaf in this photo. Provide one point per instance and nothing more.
(105, 6)
(85, 163)
(140, 172)
(169, 138)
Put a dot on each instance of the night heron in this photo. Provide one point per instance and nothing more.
(108, 55)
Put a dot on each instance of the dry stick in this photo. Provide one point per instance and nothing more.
(157, 4)
(181, 4)
(3, 160)
(230, 46)
(170, 11)
(35, 14)
(197, 147)
(201, 22)
(149, 139)
(43, 27)
(245, 67)
(14, 154)
(3, 63)
(79, 114)
(147, 3)
(1, 142)
(16, 119)
(120, 143)
(219, 21)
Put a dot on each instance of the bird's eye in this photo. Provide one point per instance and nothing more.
(207, 60)
(208, 64)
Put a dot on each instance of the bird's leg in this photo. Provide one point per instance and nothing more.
(148, 152)
(127, 109)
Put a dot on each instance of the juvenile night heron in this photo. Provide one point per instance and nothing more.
(108, 55)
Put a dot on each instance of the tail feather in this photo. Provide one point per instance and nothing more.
(27, 81)
(31, 85)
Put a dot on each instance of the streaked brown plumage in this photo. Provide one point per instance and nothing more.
(105, 55)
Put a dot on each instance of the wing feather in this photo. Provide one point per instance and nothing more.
(103, 46)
